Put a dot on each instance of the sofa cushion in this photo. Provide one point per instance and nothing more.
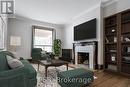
(3, 62)
(13, 63)
(30, 71)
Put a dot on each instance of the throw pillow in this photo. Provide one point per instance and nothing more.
(16, 56)
(14, 63)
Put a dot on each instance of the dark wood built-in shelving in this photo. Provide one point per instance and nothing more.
(117, 43)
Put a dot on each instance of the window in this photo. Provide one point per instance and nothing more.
(42, 38)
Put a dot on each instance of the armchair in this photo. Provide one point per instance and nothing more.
(19, 77)
(38, 55)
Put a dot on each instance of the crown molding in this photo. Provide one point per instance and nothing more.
(94, 7)
(109, 3)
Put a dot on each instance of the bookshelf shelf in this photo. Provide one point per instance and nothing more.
(127, 21)
(111, 25)
(111, 43)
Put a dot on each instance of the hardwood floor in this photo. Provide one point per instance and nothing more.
(105, 79)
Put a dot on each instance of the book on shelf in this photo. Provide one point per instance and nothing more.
(128, 49)
(115, 39)
(107, 41)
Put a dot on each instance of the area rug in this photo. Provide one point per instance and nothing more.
(51, 80)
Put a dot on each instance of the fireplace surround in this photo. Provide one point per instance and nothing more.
(89, 48)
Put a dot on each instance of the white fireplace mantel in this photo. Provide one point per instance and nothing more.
(86, 49)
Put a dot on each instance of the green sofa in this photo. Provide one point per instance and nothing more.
(75, 78)
(19, 77)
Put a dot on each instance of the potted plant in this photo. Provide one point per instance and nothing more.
(57, 48)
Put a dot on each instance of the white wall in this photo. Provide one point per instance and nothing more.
(116, 7)
(4, 18)
(67, 37)
(95, 12)
(23, 27)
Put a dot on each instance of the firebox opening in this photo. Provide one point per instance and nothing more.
(83, 58)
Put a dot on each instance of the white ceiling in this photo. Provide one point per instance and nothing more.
(53, 11)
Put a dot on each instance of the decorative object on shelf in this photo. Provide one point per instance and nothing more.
(112, 50)
(122, 38)
(113, 57)
(115, 39)
(127, 39)
(113, 30)
(128, 49)
(57, 48)
(127, 58)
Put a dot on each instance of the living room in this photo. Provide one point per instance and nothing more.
(57, 43)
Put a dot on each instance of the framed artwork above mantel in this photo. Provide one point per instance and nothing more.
(2, 28)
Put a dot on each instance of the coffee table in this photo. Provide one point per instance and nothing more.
(54, 62)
